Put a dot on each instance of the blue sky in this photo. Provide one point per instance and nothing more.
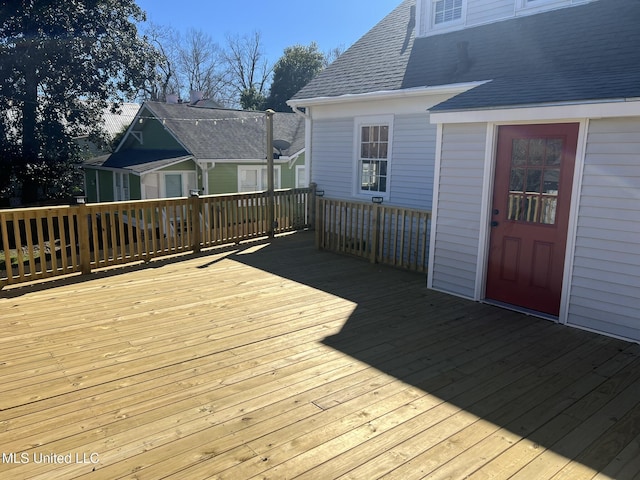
(282, 23)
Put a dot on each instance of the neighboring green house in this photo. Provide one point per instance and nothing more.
(173, 148)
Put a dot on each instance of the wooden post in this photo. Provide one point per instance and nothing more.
(319, 221)
(311, 205)
(194, 212)
(270, 180)
(375, 232)
(84, 240)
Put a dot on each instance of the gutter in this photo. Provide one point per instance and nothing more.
(452, 89)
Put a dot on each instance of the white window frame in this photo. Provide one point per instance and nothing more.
(262, 185)
(359, 122)
(185, 185)
(301, 177)
(121, 187)
(452, 21)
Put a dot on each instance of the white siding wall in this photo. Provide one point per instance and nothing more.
(605, 293)
(332, 151)
(459, 204)
(411, 183)
(484, 11)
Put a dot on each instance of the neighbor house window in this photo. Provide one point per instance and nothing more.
(121, 190)
(445, 11)
(178, 184)
(374, 155)
(253, 178)
(301, 177)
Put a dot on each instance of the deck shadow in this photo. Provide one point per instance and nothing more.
(529, 384)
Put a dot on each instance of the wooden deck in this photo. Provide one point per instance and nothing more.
(275, 361)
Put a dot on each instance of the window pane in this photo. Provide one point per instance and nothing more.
(173, 184)
(517, 180)
(519, 151)
(536, 151)
(534, 180)
(384, 147)
(365, 134)
(554, 151)
(384, 133)
(551, 181)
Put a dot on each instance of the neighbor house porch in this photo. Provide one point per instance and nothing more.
(271, 359)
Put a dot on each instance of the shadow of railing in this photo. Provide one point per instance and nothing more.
(503, 385)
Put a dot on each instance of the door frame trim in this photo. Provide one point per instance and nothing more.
(487, 194)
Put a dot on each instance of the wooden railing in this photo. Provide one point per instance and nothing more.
(383, 234)
(45, 242)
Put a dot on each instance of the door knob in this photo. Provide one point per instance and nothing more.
(496, 211)
(494, 224)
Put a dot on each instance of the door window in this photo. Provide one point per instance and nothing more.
(534, 180)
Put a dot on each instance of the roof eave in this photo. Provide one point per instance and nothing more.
(448, 89)
(605, 108)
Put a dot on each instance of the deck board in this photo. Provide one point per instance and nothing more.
(272, 360)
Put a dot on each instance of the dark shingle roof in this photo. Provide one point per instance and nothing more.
(139, 161)
(227, 134)
(582, 53)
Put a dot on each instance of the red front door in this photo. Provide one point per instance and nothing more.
(530, 215)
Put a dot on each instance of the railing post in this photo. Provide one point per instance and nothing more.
(270, 180)
(194, 208)
(311, 205)
(375, 233)
(84, 240)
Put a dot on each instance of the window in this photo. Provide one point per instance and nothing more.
(301, 179)
(178, 184)
(253, 178)
(121, 190)
(373, 155)
(445, 11)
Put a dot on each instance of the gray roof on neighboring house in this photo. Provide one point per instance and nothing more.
(208, 134)
(584, 53)
(222, 134)
(139, 161)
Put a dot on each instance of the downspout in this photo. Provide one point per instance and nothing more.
(308, 124)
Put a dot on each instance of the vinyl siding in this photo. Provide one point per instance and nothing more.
(414, 147)
(605, 288)
(332, 150)
(412, 160)
(459, 200)
(484, 11)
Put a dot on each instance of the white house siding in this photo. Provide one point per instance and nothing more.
(484, 11)
(605, 289)
(457, 231)
(414, 146)
(412, 160)
(332, 162)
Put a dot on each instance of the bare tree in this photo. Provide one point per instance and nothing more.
(166, 41)
(247, 67)
(200, 64)
(332, 55)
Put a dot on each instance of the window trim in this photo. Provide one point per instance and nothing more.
(121, 192)
(430, 25)
(304, 183)
(359, 122)
(184, 177)
(277, 177)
